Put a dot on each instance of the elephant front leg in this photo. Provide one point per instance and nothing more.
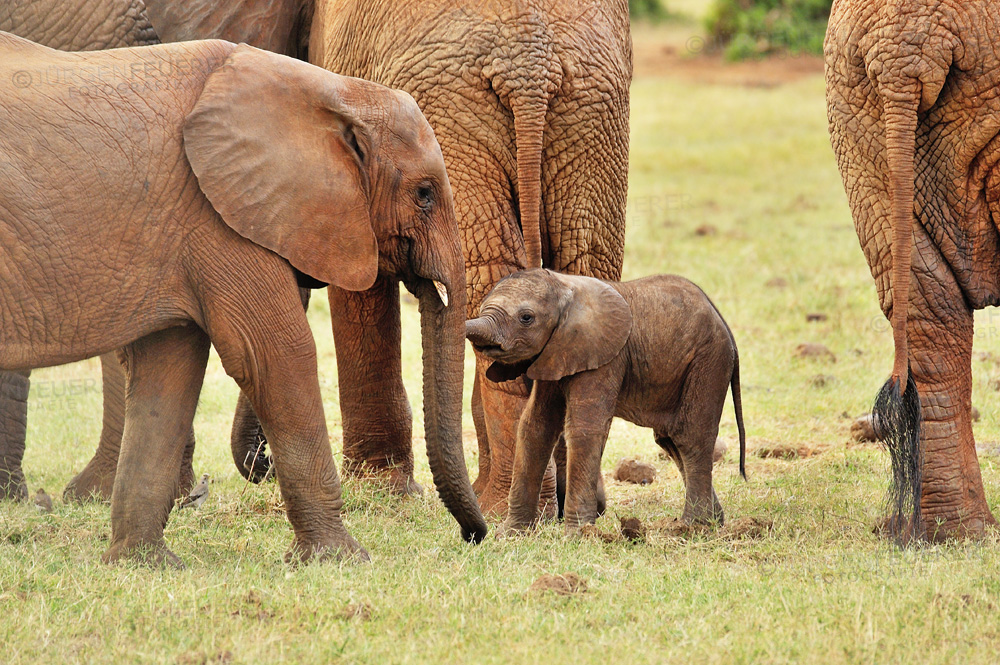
(165, 372)
(377, 421)
(590, 406)
(502, 405)
(940, 333)
(537, 433)
(97, 479)
(13, 430)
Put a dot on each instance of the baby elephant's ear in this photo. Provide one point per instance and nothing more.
(594, 325)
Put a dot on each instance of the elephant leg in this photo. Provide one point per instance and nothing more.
(97, 479)
(503, 404)
(13, 430)
(377, 421)
(940, 333)
(165, 372)
(479, 420)
(538, 431)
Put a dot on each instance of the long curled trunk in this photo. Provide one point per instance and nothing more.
(443, 332)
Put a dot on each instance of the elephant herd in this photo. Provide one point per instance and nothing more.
(444, 144)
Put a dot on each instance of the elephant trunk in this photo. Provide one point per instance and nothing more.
(442, 328)
(481, 332)
(897, 406)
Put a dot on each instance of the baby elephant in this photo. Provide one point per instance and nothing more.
(654, 351)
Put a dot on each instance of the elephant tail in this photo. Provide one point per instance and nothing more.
(734, 384)
(529, 111)
(897, 407)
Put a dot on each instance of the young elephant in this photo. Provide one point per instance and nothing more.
(654, 351)
(164, 198)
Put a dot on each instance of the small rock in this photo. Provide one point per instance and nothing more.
(816, 317)
(975, 415)
(634, 471)
(813, 350)
(566, 584)
(633, 529)
(43, 502)
(720, 450)
(863, 429)
(822, 380)
(776, 283)
(706, 230)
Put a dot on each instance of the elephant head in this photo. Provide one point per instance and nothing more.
(375, 173)
(549, 326)
(914, 122)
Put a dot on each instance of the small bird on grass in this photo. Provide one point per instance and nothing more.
(197, 495)
(43, 502)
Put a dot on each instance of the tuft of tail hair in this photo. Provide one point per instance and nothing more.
(896, 418)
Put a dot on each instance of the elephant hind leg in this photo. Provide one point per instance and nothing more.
(165, 372)
(13, 430)
(97, 479)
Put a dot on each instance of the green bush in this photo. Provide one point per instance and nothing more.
(757, 28)
(649, 9)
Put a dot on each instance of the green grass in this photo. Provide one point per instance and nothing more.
(755, 165)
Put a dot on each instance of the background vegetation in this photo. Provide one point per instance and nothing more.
(733, 184)
(756, 28)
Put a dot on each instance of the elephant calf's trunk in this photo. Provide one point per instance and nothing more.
(481, 332)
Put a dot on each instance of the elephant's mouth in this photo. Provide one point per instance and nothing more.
(492, 351)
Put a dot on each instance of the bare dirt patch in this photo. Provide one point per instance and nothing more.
(786, 451)
(566, 584)
(661, 58)
(744, 528)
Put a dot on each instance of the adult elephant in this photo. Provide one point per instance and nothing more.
(529, 101)
(915, 123)
(402, 259)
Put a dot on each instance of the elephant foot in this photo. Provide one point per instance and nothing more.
(511, 529)
(968, 524)
(155, 555)
(94, 483)
(341, 547)
(13, 486)
(397, 479)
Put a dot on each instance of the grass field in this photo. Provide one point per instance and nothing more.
(733, 184)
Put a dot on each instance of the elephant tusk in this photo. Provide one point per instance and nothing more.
(442, 291)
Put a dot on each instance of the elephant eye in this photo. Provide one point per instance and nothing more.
(527, 318)
(425, 197)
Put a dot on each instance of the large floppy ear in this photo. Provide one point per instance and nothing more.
(283, 160)
(594, 324)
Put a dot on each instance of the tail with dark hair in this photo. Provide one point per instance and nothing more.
(738, 406)
(896, 417)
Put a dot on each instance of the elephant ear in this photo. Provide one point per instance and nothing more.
(594, 324)
(282, 158)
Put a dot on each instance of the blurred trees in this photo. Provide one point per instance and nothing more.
(757, 28)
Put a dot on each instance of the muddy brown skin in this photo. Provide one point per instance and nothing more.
(653, 351)
(515, 92)
(182, 227)
(911, 100)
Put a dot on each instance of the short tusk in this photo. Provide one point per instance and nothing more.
(442, 291)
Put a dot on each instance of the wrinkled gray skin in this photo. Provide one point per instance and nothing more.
(653, 351)
(914, 120)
